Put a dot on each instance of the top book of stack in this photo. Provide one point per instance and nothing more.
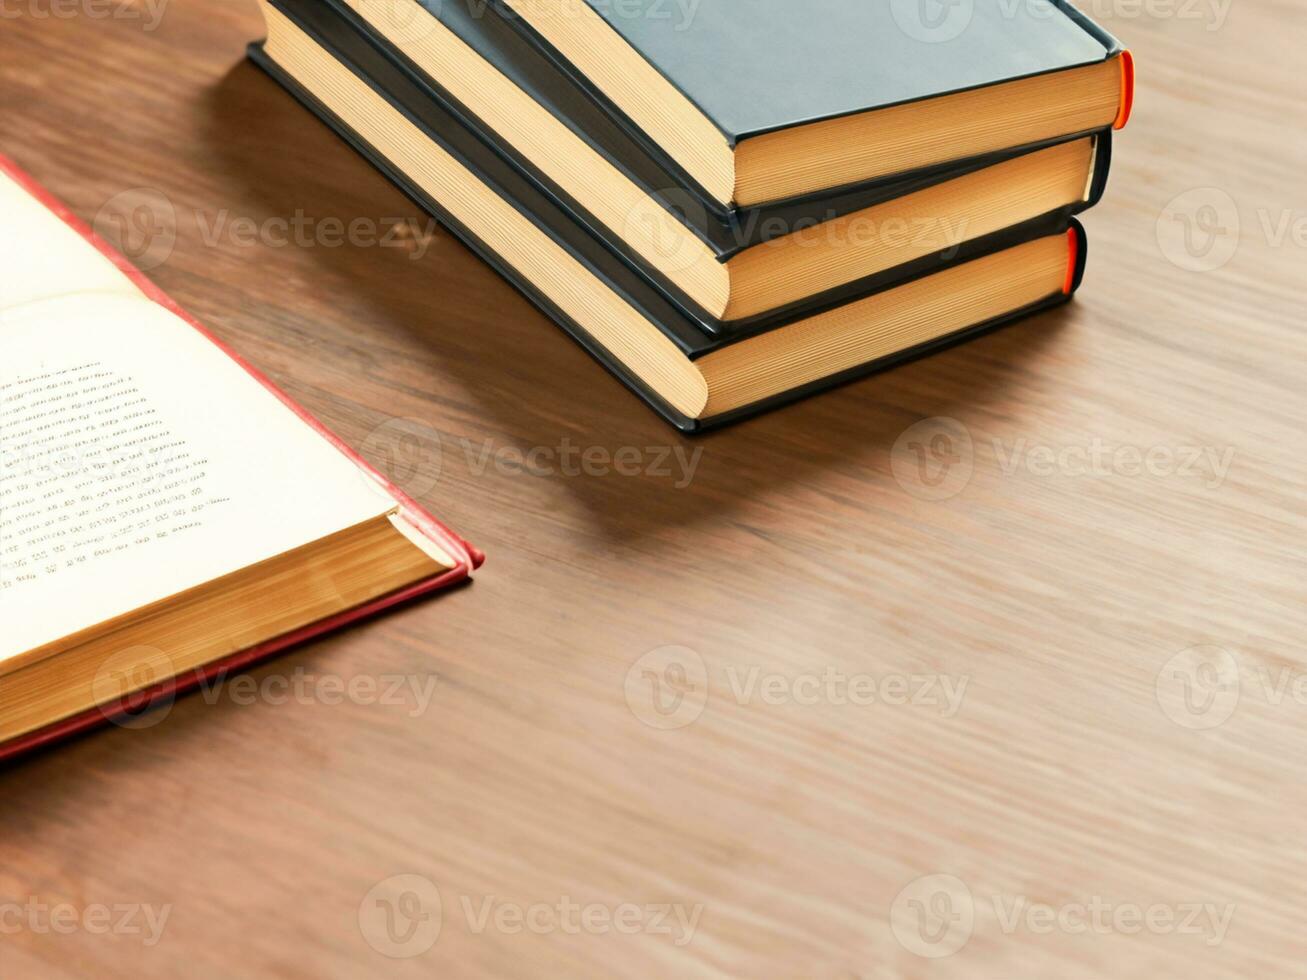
(771, 100)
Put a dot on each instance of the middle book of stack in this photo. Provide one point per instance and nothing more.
(851, 217)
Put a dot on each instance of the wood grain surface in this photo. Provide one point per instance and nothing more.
(990, 666)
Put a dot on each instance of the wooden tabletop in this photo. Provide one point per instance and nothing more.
(991, 666)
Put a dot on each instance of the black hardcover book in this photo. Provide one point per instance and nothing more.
(623, 321)
(771, 99)
(490, 65)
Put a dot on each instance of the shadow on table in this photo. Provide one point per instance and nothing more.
(503, 380)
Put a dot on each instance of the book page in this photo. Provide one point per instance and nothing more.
(41, 257)
(137, 460)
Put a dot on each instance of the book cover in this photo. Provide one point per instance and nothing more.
(771, 101)
(758, 67)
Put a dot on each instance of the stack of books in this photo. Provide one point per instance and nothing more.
(732, 205)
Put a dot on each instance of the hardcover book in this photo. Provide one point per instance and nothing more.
(750, 267)
(165, 512)
(696, 380)
(770, 99)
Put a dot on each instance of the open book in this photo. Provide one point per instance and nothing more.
(164, 511)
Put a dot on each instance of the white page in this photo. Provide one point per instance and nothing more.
(137, 460)
(41, 257)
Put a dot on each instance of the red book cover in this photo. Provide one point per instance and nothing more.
(465, 555)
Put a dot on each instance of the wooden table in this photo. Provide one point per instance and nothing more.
(840, 714)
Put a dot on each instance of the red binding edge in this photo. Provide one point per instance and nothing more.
(1127, 89)
(1073, 258)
